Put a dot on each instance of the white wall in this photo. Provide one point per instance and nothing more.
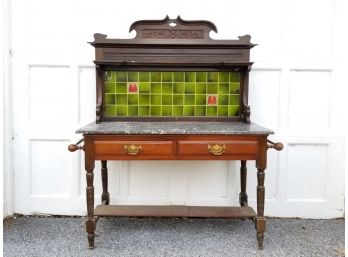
(6, 113)
(296, 89)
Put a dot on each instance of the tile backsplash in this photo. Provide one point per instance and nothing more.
(171, 94)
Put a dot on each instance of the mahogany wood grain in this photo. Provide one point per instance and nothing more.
(149, 148)
(200, 148)
(175, 147)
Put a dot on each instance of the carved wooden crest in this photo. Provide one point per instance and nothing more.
(176, 31)
(173, 28)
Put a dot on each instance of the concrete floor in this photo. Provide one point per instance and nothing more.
(48, 236)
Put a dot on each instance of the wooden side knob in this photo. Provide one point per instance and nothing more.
(73, 148)
(278, 146)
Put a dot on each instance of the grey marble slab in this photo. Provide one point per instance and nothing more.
(173, 128)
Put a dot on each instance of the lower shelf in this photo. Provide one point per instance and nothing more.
(174, 211)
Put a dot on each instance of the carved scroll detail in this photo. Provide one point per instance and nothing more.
(172, 33)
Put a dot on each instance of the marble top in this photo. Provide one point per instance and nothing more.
(173, 128)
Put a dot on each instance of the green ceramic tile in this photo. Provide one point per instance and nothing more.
(190, 88)
(132, 110)
(144, 99)
(155, 76)
(144, 87)
(222, 110)
(121, 110)
(189, 110)
(212, 111)
(234, 77)
(201, 88)
(133, 99)
(167, 99)
(224, 77)
(164, 93)
(144, 111)
(121, 88)
(234, 88)
(167, 110)
(234, 99)
(223, 100)
(121, 99)
(167, 88)
(110, 76)
(190, 76)
(201, 99)
(178, 88)
(224, 88)
(121, 76)
(109, 99)
(178, 110)
(155, 99)
(167, 77)
(178, 76)
(144, 76)
(212, 88)
(110, 110)
(201, 77)
(155, 110)
(233, 110)
(200, 110)
(110, 87)
(133, 76)
(189, 99)
(213, 77)
(156, 88)
(178, 99)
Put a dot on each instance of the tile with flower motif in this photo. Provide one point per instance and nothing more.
(133, 88)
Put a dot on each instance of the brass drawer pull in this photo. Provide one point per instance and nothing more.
(133, 149)
(216, 149)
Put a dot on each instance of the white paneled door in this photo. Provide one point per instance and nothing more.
(296, 89)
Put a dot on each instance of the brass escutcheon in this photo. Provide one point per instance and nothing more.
(133, 149)
(216, 149)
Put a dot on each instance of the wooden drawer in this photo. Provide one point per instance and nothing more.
(134, 148)
(217, 148)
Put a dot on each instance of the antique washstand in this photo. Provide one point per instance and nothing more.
(173, 93)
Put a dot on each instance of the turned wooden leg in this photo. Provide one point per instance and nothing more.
(90, 220)
(260, 219)
(243, 197)
(104, 174)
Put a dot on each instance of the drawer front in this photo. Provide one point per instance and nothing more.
(217, 148)
(134, 148)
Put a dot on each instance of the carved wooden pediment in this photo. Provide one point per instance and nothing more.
(172, 31)
(173, 28)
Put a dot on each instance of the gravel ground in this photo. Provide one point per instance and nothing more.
(52, 236)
